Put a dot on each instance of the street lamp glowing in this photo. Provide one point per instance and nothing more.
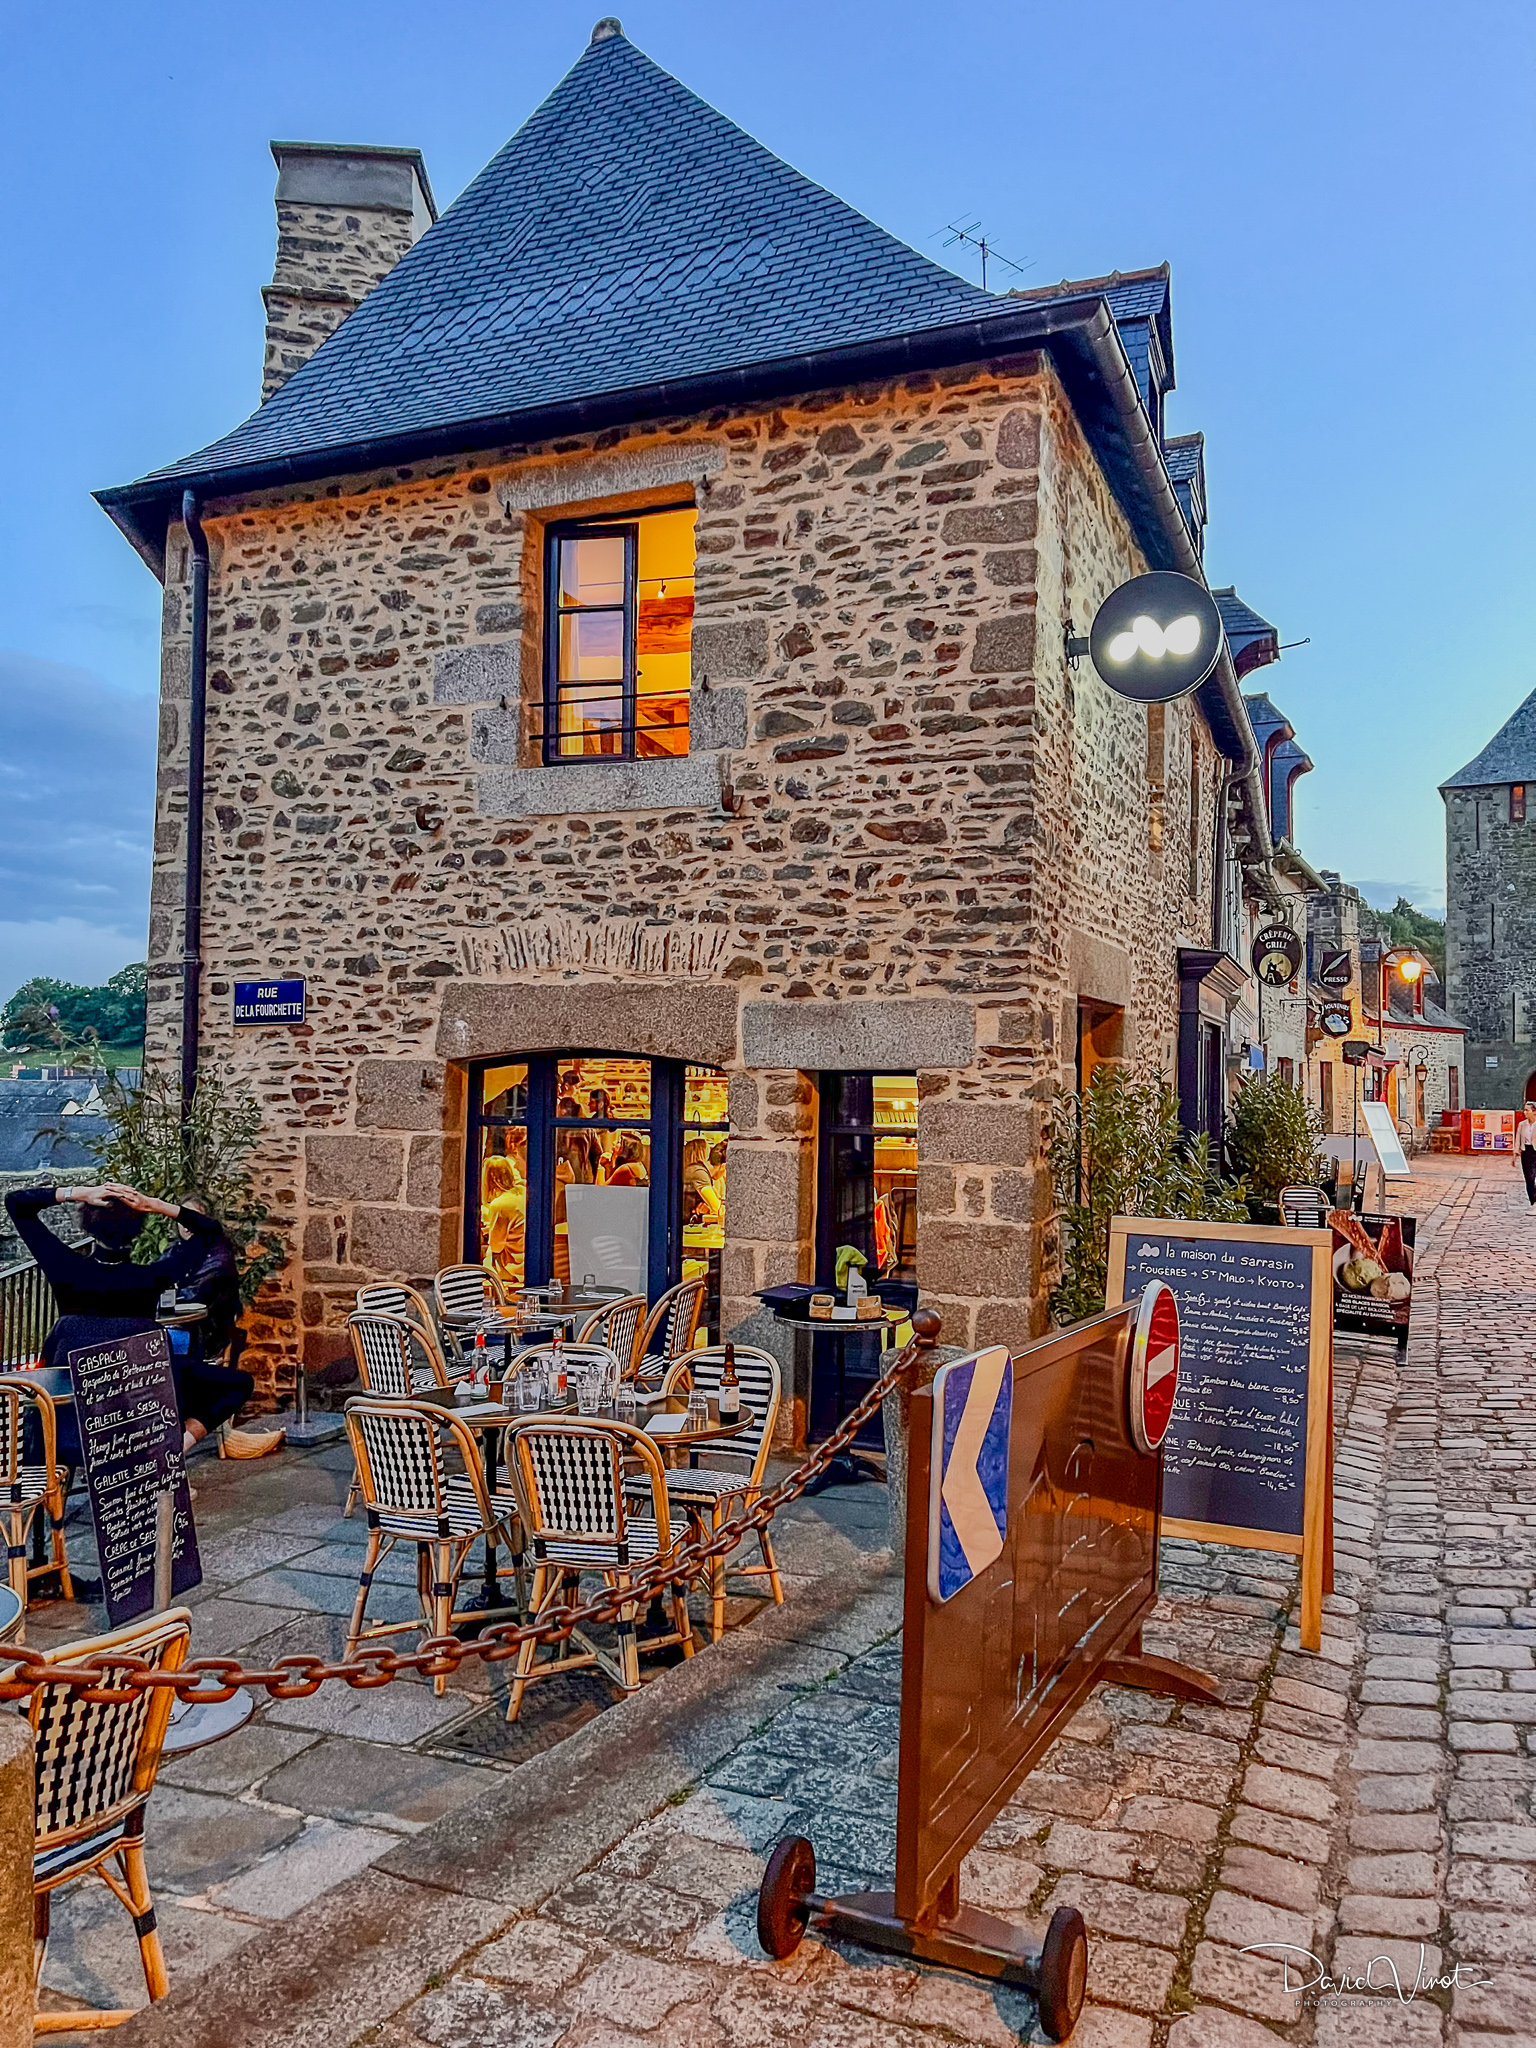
(1410, 969)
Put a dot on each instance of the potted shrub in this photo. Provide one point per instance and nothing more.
(1272, 1141)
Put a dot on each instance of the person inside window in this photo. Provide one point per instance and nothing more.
(506, 1219)
(629, 1169)
(701, 1198)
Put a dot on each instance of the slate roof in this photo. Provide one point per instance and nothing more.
(627, 234)
(1131, 295)
(35, 1132)
(1185, 456)
(1240, 620)
(1510, 756)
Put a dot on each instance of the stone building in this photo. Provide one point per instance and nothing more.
(1490, 912)
(638, 708)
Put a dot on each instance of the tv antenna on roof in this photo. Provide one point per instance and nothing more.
(971, 236)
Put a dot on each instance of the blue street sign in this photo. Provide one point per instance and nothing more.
(968, 1495)
(269, 1002)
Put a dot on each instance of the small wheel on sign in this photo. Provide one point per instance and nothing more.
(1063, 1972)
(781, 1897)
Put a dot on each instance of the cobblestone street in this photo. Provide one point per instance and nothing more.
(1369, 1807)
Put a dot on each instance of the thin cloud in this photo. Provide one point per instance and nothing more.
(77, 787)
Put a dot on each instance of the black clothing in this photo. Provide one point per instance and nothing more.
(1528, 1166)
(99, 1299)
(216, 1283)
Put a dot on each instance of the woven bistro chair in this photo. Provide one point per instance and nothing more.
(462, 1295)
(579, 1358)
(394, 1298)
(412, 1497)
(669, 1329)
(581, 1515)
(95, 1769)
(617, 1324)
(27, 1490)
(395, 1356)
(1304, 1208)
(710, 1494)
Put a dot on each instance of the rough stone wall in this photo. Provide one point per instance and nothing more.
(1490, 942)
(329, 258)
(938, 836)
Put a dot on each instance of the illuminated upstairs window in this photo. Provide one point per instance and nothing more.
(618, 634)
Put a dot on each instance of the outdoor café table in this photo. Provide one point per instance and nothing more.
(843, 1468)
(11, 1613)
(490, 1418)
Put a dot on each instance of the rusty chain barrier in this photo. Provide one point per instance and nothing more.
(206, 1680)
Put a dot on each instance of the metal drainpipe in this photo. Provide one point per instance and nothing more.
(1219, 864)
(192, 915)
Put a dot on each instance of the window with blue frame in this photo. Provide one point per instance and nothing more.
(597, 1167)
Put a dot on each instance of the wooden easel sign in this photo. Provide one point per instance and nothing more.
(1247, 1457)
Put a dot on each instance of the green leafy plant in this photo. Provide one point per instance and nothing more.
(1118, 1149)
(1272, 1137)
(150, 1148)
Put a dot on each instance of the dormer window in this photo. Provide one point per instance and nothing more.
(618, 630)
(1517, 803)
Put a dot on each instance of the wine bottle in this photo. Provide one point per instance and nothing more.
(730, 1388)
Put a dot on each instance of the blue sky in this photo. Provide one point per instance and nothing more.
(1344, 191)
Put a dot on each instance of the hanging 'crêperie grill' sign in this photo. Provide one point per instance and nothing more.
(1276, 955)
(1157, 637)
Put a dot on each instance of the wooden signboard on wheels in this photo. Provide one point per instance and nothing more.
(1033, 1497)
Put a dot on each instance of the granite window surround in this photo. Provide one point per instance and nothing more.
(487, 678)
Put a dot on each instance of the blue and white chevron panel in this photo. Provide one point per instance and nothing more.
(968, 1487)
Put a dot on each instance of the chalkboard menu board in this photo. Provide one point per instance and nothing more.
(130, 1434)
(1245, 1459)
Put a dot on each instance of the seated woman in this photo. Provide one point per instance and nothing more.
(211, 1391)
(101, 1293)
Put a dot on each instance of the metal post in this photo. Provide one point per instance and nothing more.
(165, 1529)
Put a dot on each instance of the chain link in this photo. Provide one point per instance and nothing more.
(207, 1680)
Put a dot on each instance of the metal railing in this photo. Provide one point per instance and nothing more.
(27, 1312)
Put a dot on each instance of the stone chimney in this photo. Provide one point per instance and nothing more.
(345, 216)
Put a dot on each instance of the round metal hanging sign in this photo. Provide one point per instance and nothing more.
(1154, 1376)
(1157, 637)
(1336, 1020)
(1277, 954)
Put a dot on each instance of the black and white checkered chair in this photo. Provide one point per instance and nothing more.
(669, 1330)
(709, 1495)
(95, 1768)
(394, 1298)
(579, 1358)
(412, 1496)
(463, 1296)
(617, 1324)
(395, 1356)
(581, 1516)
(395, 1359)
(28, 1490)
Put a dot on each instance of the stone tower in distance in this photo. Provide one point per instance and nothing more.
(1490, 912)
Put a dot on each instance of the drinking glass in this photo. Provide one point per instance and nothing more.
(589, 1393)
(698, 1410)
(624, 1405)
(530, 1389)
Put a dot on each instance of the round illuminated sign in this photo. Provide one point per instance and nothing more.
(1157, 637)
(1277, 954)
(1154, 1378)
(1336, 1020)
